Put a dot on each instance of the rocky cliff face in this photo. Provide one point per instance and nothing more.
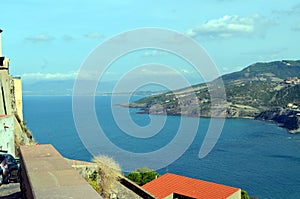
(286, 117)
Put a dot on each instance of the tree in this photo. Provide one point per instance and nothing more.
(135, 177)
(142, 176)
(244, 195)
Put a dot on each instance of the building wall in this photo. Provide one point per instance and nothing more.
(4, 79)
(6, 62)
(2, 111)
(7, 139)
(236, 195)
(18, 96)
(11, 104)
(8, 94)
(169, 197)
(0, 43)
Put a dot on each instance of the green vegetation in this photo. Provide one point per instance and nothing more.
(142, 176)
(108, 173)
(92, 180)
(255, 89)
(244, 195)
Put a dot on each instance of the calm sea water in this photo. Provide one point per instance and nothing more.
(257, 156)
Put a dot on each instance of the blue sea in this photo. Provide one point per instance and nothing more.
(259, 157)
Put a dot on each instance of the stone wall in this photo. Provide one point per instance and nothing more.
(7, 134)
(18, 96)
(120, 191)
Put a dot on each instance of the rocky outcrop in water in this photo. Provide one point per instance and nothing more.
(287, 118)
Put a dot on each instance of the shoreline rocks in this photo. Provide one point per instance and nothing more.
(287, 118)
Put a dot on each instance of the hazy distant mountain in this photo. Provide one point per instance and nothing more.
(48, 87)
(58, 87)
(65, 87)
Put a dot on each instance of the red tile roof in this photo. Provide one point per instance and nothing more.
(172, 183)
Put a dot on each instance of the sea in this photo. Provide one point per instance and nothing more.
(257, 156)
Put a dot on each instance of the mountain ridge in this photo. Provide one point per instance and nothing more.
(260, 87)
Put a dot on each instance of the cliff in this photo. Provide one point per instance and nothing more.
(288, 118)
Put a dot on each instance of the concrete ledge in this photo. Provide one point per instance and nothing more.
(126, 188)
(136, 189)
(46, 174)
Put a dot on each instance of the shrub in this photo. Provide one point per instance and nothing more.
(142, 176)
(244, 195)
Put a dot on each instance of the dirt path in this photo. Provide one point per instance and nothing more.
(10, 191)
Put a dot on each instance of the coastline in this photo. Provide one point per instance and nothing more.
(284, 121)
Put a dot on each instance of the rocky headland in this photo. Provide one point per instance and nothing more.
(287, 118)
(265, 91)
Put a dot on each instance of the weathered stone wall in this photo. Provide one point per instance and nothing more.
(7, 93)
(46, 174)
(18, 96)
(120, 191)
(7, 134)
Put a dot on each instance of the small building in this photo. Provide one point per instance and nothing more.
(292, 106)
(7, 138)
(171, 186)
(294, 80)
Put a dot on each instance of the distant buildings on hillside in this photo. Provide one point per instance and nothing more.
(294, 107)
(292, 80)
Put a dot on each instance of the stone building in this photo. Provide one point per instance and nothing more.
(10, 88)
(10, 106)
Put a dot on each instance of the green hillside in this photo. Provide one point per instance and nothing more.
(258, 87)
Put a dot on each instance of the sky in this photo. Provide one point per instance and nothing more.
(49, 40)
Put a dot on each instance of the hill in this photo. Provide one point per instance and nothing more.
(250, 92)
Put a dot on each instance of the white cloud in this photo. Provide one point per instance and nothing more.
(49, 76)
(230, 26)
(160, 72)
(39, 38)
(94, 35)
(143, 72)
(156, 72)
(154, 53)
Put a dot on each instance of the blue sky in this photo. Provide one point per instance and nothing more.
(50, 39)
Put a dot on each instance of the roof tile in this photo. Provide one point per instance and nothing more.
(172, 183)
